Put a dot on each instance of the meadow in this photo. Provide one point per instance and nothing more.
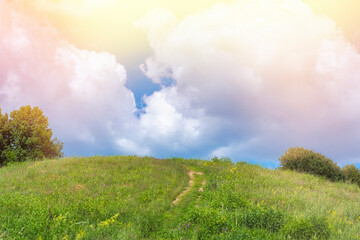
(128, 197)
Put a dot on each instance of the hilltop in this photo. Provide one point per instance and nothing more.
(128, 197)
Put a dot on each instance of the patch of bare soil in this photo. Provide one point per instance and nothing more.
(188, 188)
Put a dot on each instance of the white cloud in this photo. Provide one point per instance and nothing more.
(267, 70)
(130, 147)
(154, 70)
(162, 121)
(81, 92)
(251, 79)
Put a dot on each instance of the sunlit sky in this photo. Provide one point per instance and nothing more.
(245, 79)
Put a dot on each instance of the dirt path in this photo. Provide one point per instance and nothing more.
(191, 183)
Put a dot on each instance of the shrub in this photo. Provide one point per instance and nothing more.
(304, 160)
(352, 174)
(307, 228)
(221, 160)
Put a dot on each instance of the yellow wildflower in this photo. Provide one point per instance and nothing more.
(333, 213)
(80, 235)
(108, 221)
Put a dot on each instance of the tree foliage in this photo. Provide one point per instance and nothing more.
(4, 136)
(352, 174)
(304, 160)
(25, 135)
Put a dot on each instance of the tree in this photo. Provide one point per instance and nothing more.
(26, 136)
(4, 136)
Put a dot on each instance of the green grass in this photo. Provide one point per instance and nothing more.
(91, 198)
(130, 198)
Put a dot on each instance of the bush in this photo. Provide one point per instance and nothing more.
(352, 174)
(26, 135)
(307, 228)
(304, 160)
(221, 160)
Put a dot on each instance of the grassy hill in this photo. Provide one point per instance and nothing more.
(132, 198)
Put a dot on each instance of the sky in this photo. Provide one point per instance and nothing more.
(244, 79)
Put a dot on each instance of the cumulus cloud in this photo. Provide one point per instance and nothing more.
(256, 77)
(130, 147)
(250, 79)
(82, 92)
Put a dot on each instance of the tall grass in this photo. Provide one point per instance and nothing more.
(244, 201)
(87, 198)
(130, 198)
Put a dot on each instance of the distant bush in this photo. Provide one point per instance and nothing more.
(304, 160)
(221, 160)
(352, 174)
(307, 228)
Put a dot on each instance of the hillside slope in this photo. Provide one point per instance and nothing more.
(93, 198)
(131, 198)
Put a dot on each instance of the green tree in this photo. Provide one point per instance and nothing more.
(4, 136)
(27, 136)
